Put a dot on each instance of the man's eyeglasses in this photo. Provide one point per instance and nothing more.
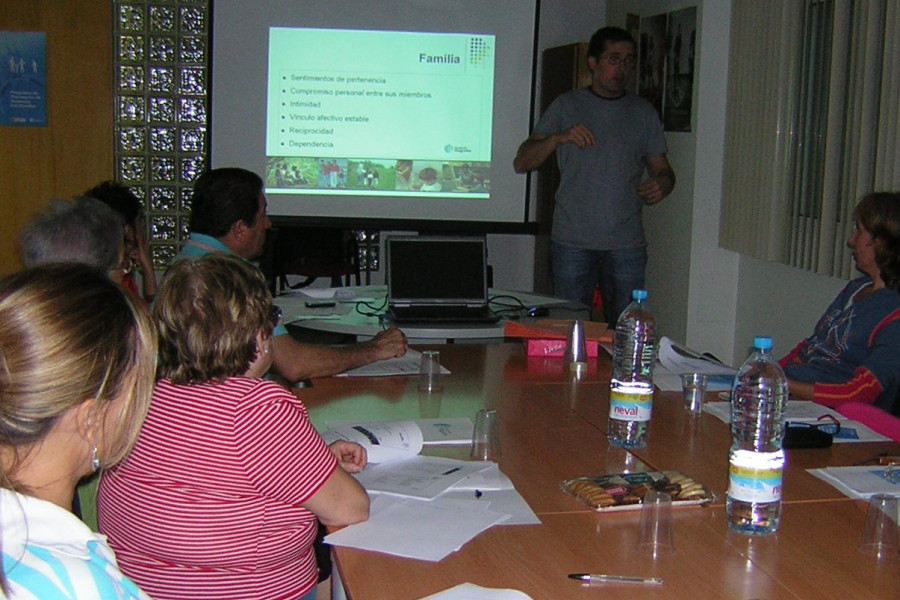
(614, 60)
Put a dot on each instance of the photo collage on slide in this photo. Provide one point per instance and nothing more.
(378, 175)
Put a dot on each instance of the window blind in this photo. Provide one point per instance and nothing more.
(811, 126)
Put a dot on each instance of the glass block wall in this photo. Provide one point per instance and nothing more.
(161, 108)
(162, 67)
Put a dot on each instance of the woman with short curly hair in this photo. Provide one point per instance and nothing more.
(221, 495)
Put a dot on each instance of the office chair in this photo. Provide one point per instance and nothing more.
(314, 252)
(872, 417)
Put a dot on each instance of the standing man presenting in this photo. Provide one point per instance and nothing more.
(604, 138)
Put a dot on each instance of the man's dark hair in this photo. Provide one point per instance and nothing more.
(608, 35)
(118, 197)
(222, 197)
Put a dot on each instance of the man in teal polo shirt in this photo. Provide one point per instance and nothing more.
(228, 214)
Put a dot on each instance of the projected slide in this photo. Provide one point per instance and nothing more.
(353, 112)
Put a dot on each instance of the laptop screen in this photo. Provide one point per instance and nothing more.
(437, 270)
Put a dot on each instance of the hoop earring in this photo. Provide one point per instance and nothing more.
(95, 460)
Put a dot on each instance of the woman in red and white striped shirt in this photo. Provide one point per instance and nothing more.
(221, 494)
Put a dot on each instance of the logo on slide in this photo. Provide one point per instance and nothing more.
(479, 51)
(450, 149)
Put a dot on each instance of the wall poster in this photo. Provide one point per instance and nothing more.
(23, 78)
(666, 66)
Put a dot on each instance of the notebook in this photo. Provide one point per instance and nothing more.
(433, 279)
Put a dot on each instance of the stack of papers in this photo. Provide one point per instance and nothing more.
(422, 477)
(807, 411)
(414, 529)
(858, 482)
(387, 441)
(470, 591)
(408, 364)
(438, 504)
(675, 359)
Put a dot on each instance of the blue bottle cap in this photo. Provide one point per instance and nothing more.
(763, 342)
(639, 294)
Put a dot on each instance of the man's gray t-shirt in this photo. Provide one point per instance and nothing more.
(597, 205)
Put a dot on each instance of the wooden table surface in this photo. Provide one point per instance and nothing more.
(553, 428)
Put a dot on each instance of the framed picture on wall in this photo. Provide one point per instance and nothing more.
(679, 96)
(652, 61)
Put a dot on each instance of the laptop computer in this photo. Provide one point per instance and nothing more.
(433, 279)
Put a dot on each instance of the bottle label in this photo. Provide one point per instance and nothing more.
(630, 406)
(750, 484)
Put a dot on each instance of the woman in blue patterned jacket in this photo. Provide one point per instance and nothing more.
(77, 362)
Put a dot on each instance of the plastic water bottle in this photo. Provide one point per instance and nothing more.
(756, 460)
(631, 388)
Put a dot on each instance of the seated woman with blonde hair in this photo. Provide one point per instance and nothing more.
(77, 361)
(221, 495)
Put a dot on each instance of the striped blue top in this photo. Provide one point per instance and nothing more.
(49, 554)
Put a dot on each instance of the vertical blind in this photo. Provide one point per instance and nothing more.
(812, 126)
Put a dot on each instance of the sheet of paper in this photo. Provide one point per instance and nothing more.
(294, 308)
(435, 432)
(807, 411)
(489, 478)
(795, 410)
(670, 381)
(384, 441)
(507, 502)
(494, 490)
(858, 482)
(340, 294)
(850, 431)
(446, 432)
(423, 477)
(415, 529)
(675, 359)
(408, 364)
(470, 591)
(680, 359)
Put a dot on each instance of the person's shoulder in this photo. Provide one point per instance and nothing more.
(642, 105)
(232, 391)
(570, 97)
(890, 298)
(257, 391)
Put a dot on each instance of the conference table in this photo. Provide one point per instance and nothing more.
(552, 428)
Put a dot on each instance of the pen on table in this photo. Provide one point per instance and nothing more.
(448, 472)
(616, 578)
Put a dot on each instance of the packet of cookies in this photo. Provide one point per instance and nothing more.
(626, 491)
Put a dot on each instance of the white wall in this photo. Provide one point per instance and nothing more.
(721, 299)
(561, 22)
(687, 275)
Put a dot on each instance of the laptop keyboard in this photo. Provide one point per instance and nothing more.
(443, 313)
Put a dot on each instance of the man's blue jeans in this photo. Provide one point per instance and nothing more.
(576, 272)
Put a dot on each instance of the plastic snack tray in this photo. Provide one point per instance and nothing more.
(625, 491)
